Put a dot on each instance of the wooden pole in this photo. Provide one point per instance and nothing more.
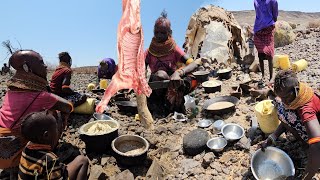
(144, 113)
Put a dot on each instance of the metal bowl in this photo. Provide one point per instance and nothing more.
(218, 124)
(205, 123)
(100, 116)
(217, 144)
(271, 164)
(232, 132)
(130, 149)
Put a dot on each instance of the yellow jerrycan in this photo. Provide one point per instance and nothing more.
(267, 116)
(284, 62)
(87, 107)
(103, 84)
(299, 65)
(276, 61)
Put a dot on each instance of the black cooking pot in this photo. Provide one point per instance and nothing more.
(225, 74)
(127, 106)
(102, 142)
(208, 88)
(231, 99)
(201, 76)
(130, 142)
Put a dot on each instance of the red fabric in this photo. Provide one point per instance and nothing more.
(57, 79)
(15, 102)
(167, 63)
(264, 41)
(310, 111)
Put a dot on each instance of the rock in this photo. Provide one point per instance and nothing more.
(188, 164)
(94, 161)
(243, 143)
(124, 175)
(97, 173)
(216, 166)
(195, 142)
(155, 171)
(226, 170)
(207, 159)
(112, 170)
(104, 159)
(160, 130)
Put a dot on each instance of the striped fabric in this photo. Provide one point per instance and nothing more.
(40, 164)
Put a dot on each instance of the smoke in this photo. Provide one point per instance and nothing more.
(208, 2)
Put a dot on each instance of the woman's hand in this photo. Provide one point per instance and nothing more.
(175, 76)
(265, 144)
(268, 142)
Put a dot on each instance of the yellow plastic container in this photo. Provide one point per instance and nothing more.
(276, 61)
(91, 86)
(284, 62)
(87, 107)
(103, 84)
(267, 116)
(299, 65)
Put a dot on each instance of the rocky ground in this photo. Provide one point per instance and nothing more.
(166, 153)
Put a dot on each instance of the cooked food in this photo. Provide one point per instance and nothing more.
(211, 83)
(99, 128)
(220, 105)
(224, 70)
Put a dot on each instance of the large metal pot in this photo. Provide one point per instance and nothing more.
(225, 73)
(130, 149)
(271, 164)
(212, 86)
(127, 106)
(231, 99)
(201, 76)
(99, 143)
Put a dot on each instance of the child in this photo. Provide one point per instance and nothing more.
(38, 161)
(249, 33)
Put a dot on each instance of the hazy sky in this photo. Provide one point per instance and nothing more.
(87, 29)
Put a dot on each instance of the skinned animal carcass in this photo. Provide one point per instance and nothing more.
(214, 34)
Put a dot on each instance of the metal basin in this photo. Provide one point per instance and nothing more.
(232, 132)
(205, 123)
(221, 111)
(217, 144)
(130, 149)
(218, 124)
(100, 116)
(271, 164)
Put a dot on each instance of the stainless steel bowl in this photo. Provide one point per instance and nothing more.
(217, 144)
(271, 164)
(232, 132)
(100, 116)
(218, 124)
(205, 123)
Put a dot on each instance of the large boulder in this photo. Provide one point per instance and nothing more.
(284, 34)
(195, 142)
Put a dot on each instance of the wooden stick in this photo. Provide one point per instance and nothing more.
(144, 113)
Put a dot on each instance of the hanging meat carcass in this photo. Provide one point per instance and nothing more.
(131, 72)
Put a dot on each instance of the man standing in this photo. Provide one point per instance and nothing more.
(264, 27)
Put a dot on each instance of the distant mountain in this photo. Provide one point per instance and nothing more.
(295, 17)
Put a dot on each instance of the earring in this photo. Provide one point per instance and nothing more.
(25, 67)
